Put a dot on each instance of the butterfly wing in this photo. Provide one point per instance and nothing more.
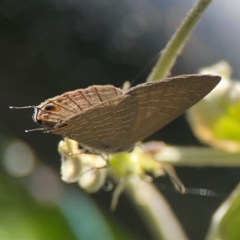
(104, 127)
(58, 109)
(162, 101)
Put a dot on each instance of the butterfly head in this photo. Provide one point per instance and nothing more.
(48, 115)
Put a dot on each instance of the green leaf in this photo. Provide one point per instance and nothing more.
(225, 222)
(23, 218)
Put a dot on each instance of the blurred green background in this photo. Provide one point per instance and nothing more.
(49, 47)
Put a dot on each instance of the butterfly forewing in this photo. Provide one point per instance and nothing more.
(58, 109)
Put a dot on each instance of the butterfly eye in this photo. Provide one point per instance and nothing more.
(50, 108)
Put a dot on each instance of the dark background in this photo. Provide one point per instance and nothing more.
(48, 47)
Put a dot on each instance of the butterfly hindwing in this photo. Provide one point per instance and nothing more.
(162, 101)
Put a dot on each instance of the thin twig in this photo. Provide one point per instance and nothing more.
(177, 42)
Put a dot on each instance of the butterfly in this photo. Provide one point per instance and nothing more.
(106, 119)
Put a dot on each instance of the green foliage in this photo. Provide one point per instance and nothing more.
(225, 224)
(24, 218)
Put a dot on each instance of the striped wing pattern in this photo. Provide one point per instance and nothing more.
(72, 103)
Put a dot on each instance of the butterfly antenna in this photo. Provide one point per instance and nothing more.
(13, 107)
(35, 129)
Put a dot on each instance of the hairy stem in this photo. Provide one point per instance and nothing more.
(175, 45)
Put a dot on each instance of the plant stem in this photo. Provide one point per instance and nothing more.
(198, 157)
(155, 210)
(176, 44)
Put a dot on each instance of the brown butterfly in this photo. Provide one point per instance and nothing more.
(106, 119)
